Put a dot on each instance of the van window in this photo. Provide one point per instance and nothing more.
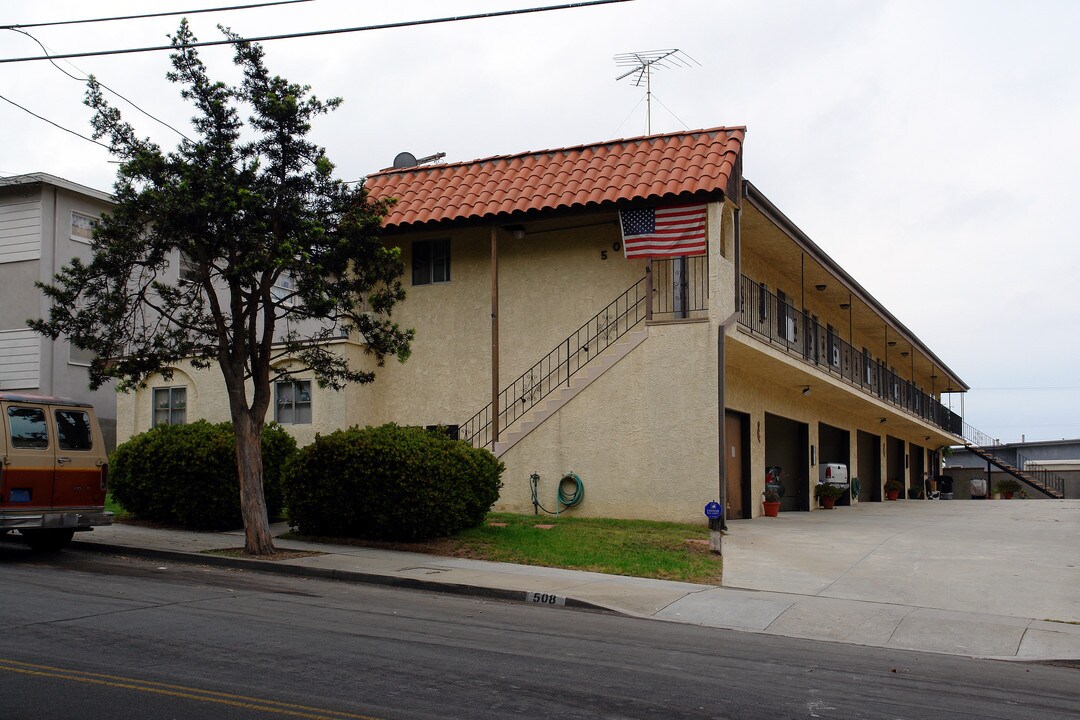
(73, 430)
(28, 429)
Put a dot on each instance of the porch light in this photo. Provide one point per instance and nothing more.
(820, 287)
(883, 420)
(806, 390)
(845, 306)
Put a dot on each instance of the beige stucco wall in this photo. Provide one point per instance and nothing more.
(642, 437)
(207, 399)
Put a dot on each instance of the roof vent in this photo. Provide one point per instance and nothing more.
(408, 160)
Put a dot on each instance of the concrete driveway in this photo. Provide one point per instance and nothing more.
(1007, 557)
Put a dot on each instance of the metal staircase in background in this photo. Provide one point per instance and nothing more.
(1018, 466)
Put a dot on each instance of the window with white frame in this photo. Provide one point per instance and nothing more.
(170, 405)
(78, 356)
(82, 227)
(284, 289)
(292, 402)
(430, 261)
(186, 268)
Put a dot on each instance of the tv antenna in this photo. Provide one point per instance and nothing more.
(641, 65)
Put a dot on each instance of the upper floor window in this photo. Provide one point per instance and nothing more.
(187, 270)
(292, 404)
(430, 261)
(170, 406)
(78, 356)
(82, 227)
(284, 289)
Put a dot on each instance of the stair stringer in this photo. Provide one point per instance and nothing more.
(558, 399)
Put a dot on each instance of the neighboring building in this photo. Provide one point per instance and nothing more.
(1053, 463)
(45, 221)
(633, 374)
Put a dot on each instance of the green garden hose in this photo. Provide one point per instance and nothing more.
(566, 500)
(579, 490)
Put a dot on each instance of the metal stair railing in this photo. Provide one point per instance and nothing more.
(1023, 469)
(556, 368)
(679, 292)
(799, 334)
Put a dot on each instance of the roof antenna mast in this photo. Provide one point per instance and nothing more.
(640, 66)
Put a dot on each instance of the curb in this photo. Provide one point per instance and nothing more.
(353, 576)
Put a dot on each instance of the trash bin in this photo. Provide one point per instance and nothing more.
(978, 487)
(944, 483)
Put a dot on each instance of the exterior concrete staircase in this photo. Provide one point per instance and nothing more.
(554, 401)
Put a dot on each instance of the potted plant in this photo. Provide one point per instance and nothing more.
(771, 504)
(827, 493)
(1006, 487)
(893, 488)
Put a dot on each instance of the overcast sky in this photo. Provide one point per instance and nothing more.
(931, 148)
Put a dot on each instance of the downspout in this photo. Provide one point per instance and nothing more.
(721, 363)
(494, 336)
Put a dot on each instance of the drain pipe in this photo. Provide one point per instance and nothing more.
(721, 363)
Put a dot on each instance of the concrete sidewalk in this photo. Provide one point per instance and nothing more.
(865, 575)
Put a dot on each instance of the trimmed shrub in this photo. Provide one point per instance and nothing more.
(389, 483)
(186, 474)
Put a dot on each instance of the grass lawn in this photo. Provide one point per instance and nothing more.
(114, 507)
(641, 548)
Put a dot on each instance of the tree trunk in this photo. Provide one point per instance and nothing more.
(257, 538)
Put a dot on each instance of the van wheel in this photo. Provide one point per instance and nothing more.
(47, 540)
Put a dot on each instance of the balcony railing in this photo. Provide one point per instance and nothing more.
(799, 334)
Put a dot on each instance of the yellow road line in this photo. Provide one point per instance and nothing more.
(180, 691)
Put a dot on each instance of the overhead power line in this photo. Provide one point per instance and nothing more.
(40, 117)
(150, 15)
(86, 79)
(315, 33)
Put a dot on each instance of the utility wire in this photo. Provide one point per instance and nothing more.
(87, 79)
(314, 33)
(150, 15)
(39, 117)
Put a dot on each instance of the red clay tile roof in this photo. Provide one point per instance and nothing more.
(652, 166)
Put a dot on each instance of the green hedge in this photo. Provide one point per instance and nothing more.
(389, 483)
(186, 474)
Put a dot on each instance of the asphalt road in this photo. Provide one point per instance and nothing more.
(89, 636)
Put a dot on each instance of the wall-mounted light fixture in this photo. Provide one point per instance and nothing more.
(845, 306)
(517, 231)
(882, 420)
(892, 343)
(820, 287)
(806, 390)
(904, 354)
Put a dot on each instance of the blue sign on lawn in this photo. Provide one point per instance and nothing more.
(713, 511)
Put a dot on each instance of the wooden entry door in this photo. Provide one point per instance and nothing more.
(733, 456)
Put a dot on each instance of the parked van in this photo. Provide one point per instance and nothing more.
(53, 469)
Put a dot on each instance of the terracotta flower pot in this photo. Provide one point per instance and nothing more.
(1007, 496)
(828, 502)
(892, 494)
(772, 509)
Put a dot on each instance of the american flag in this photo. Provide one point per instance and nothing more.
(663, 232)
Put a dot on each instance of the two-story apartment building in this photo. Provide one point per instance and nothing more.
(662, 383)
(45, 221)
